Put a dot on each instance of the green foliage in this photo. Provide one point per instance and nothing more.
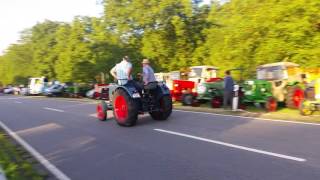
(173, 34)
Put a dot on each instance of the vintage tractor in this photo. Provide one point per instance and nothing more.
(259, 92)
(177, 83)
(196, 76)
(212, 90)
(311, 103)
(286, 79)
(127, 102)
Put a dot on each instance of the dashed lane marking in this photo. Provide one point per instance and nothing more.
(233, 146)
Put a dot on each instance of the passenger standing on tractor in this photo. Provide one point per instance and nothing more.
(228, 89)
(122, 71)
(148, 73)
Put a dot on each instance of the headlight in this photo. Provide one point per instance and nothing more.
(136, 95)
(250, 83)
(248, 93)
(201, 89)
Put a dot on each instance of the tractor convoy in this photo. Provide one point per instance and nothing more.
(276, 84)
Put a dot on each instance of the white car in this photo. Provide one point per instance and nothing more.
(8, 90)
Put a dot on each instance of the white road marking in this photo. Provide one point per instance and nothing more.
(93, 115)
(82, 104)
(52, 168)
(15, 98)
(234, 146)
(255, 118)
(52, 109)
(18, 102)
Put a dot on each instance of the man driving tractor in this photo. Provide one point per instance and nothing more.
(128, 99)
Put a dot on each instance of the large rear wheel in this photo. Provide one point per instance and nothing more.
(294, 97)
(165, 109)
(125, 109)
(216, 102)
(187, 99)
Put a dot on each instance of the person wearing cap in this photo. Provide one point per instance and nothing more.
(122, 71)
(148, 73)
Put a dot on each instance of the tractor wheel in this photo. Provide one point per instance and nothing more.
(165, 109)
(294, 97)
(216, 102)
(187, 99)
(102, 111)
(125, 109)
(305, 110)
(271, 104)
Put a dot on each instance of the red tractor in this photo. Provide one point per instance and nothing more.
(183, 85)
(100, 91)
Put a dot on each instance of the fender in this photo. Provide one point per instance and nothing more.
(129, 89)
(164, 89)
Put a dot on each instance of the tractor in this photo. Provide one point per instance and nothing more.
(177, 83)
(127, 102)
(286, 80)
(259, 92)
(196, 76)
(312, 99)
(212, 90)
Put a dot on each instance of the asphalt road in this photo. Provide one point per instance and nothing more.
(189, 146)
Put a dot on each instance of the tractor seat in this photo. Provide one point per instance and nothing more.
(151, 86)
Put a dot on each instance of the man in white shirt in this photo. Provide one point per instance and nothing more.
(122, 71)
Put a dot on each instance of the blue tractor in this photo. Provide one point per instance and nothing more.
(127, 102)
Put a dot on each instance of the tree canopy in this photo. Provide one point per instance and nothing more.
(173, 34)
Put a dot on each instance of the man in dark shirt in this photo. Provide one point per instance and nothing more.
(228, 89)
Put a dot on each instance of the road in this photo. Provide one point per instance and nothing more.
(189, 146)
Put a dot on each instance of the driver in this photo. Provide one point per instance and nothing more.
(148, 73)
(122, 71)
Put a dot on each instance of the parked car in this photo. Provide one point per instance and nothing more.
(8, 90)
(55, 90)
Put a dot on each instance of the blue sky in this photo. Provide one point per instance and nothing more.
(17, 15)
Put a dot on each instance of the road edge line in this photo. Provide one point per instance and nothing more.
(46, 163)
(254, 118)
(283, 156)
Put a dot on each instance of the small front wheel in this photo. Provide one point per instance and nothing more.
(305, 109)
(102, 111)
(271, 105)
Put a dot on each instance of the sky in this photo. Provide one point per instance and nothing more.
(17, 15)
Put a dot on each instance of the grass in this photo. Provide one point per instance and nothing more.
(251, 111)
(16, 162)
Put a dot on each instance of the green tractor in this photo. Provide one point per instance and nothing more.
(211, 91)
(259, 92)
(286, 79)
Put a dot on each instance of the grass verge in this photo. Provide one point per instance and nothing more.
(282, 113)
(16, 162)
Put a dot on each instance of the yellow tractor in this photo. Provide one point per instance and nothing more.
(312, 100)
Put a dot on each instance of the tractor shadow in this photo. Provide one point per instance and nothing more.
(146, 120)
